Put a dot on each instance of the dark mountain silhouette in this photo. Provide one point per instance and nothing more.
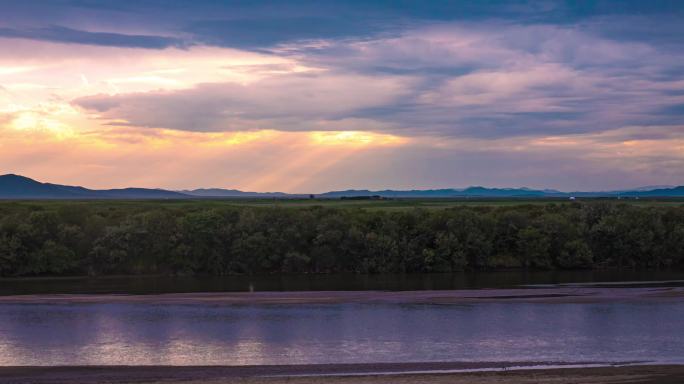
(505, 192)
(437, 193)
(219, 192)
(20, 187)
(676, 191)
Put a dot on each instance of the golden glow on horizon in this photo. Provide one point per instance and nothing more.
(355, 138)
(238, 138)
(32, 121)
(14, 70)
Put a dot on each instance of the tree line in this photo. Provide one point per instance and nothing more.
(108, 238)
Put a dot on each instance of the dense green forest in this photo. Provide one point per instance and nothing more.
(102, 238)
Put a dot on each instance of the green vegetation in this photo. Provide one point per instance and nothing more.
(246, 237)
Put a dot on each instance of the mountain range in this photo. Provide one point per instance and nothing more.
(20, 187)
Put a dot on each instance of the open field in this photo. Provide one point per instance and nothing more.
(385, 204)
(655, 374)
(440, 203)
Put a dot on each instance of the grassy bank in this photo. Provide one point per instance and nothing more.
(384, 204)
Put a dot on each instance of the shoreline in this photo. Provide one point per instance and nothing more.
(428, 373)
(517, 295)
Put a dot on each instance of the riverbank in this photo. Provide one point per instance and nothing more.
(430, 373)
(537, 295)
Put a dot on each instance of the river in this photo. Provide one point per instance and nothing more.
(137, 334)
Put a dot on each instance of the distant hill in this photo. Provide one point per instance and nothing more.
(139, 193)
(504, 192)
(648, 188)
(218, 192)
(662, 192)
(441, 193)
(20, 187)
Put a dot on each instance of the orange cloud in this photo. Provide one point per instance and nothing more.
(124, 156)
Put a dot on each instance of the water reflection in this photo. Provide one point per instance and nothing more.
(240, 335)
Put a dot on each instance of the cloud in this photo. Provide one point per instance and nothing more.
(264, 24)
(286, 102)
(642, 133)
(488, 80)
(497, 79)
(269, 32)
(674, 110)
(73, 36)
(5, 118)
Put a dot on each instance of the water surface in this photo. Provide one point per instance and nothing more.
(134, 334)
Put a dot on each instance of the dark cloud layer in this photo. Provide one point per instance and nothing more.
(487, 69)
(74, 36)
(262, 24)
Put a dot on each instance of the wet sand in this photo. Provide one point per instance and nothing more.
(535, 295)
(645, 374)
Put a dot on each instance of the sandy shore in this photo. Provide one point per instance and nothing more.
(663, 374)
(541, 295)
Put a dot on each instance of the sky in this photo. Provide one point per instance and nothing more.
(311, 96)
